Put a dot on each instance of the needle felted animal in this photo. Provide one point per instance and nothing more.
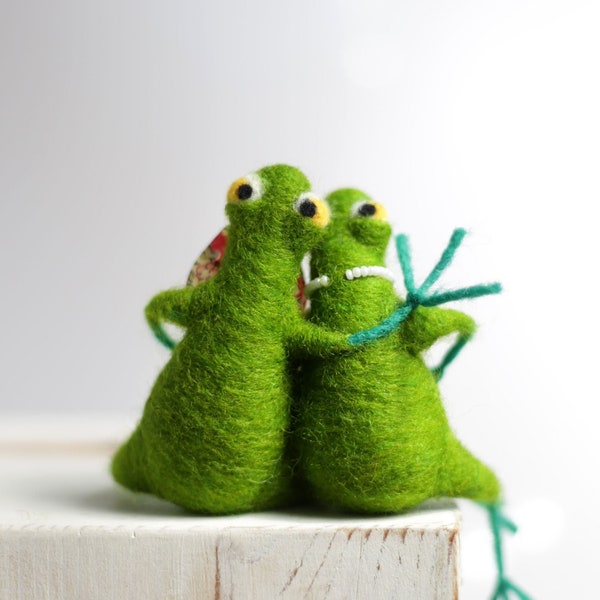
(212, 437)
(371, 432)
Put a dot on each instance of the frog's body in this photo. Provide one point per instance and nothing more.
(372, 432)
(213, 433)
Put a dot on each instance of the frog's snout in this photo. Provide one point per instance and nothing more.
(312, 207)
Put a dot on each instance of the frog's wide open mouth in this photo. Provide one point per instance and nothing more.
(351, 274)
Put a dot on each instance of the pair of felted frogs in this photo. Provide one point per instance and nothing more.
(261, 406)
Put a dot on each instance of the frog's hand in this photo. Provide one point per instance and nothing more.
(171, 306)
(462, 475)
(306, 339)
(425, 326)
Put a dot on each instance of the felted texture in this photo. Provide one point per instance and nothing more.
(213, 434)
(371, 432)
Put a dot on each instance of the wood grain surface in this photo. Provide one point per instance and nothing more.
(68, 532)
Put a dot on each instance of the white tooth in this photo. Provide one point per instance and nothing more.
(315, 284)
(374, 271)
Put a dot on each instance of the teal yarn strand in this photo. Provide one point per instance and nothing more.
(453, 352)
(498, 522)
(419, 297)
(403, 252)
(161, 335)
(474, 291)
(446, 258)
(383, 329)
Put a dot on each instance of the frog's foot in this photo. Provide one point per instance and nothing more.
(464, 476)
(499, 522)
(127, 464)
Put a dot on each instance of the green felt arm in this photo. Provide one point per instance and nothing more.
(306, 339)
(171, 306)
(424, 326)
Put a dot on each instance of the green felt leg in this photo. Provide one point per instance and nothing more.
(127, 465)
(464, 476)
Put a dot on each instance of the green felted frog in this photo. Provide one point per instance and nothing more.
(213, 433)
(371, 432)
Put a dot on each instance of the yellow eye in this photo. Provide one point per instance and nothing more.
(369, 209)
(311, 206)
(245, 189)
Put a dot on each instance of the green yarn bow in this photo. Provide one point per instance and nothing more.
(421, 296)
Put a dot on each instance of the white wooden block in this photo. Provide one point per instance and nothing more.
(68, 532)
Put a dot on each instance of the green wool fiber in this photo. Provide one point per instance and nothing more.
(213, 435)
(371, 432)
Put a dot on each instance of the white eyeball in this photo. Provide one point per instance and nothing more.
(368, 209)
(311, 206)
(246, 189)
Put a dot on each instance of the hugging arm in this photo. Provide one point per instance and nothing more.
(306, 339)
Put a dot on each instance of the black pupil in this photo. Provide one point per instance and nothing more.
(244, 191)
(308, 208)
(367, 210)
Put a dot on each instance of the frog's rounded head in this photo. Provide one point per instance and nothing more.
(274, 208)
(351, 289)
(356, 239)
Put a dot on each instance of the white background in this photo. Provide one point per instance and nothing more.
(122, 124)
